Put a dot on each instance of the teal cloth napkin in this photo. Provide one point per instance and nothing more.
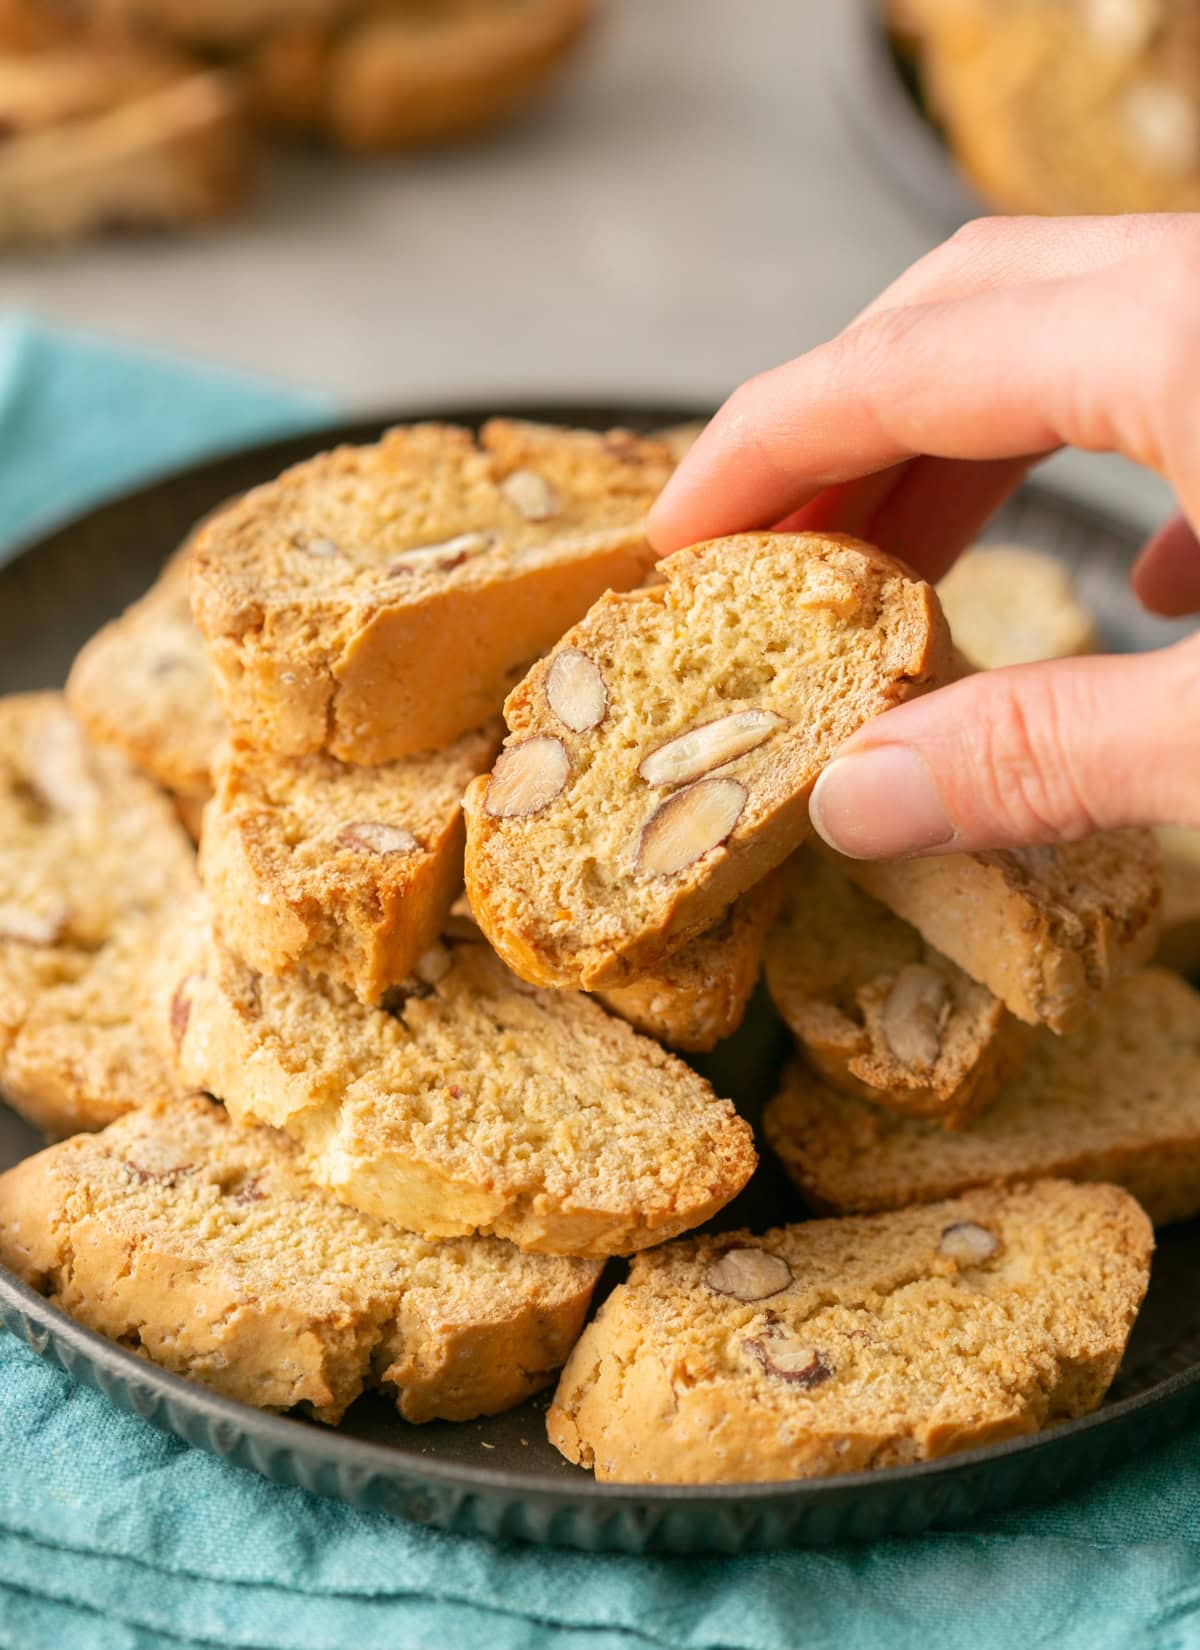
(114, 1536)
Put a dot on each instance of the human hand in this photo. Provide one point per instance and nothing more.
(1015, 338)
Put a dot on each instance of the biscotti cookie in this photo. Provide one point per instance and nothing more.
(101, 137)
(378, 601)
(1179, 939)
(92, 862)
(142, 684)
(877, 1011)
(205, 1246)
(349, 872)
(1047, 928)
(661, 758)
(698, 996)
(842, 1345)
(410, 77)
(472, 1104)
(1117, 1100)
(1007, 605)
(1060, 106)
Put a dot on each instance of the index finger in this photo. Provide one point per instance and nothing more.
(1001, 374)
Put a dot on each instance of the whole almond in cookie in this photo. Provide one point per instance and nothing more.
(660, 758)
(837, 1346)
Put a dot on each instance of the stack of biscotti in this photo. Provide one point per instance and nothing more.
(429, 1123)
(134, 113)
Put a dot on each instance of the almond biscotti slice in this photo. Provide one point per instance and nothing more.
(378, 601)
(841, 1345)
(142, 684)
(661, 758)
(313, 864)
(92, 864)
(1047, 929)
(1009, 605)
(100, 136)
(877, 1011)
(698, 996)
(1118, 1099)
(206, 1247)
(473, 1103)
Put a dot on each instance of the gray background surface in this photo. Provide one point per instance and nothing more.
(691, 207)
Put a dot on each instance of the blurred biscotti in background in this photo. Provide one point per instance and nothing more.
(101, 136)
(1064, 106)
(151, 113)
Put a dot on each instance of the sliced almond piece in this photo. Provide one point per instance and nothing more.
(711, 745)
(441, 557)
(28, 928)
(531, 495)
(688, 825)
(323, 548)
(790, 1360)
(433, 965)
(527, 777)
(1122, 26)
(748, 1274)
(575, 690)
(968, 1243)
(374, 837)
(60, 767)
(914, 1014)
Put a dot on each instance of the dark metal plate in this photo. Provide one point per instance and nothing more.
(500, 1477)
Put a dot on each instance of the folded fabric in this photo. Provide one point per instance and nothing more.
(115, 1536)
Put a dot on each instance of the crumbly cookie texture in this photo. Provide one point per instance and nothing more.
(1067, 106)
(142, 684)
(379, 601)
(102, 136)
(1047, 929)
(1008, 605)
(205, 1247)
(474, 1104)
(661, 758)
(1179, 939)
(92, 862)
(836, 1346)
(1117, 1100)
(698, 997)
(879, 1012)
(312, 864)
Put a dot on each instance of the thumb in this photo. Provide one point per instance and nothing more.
(1036, 753)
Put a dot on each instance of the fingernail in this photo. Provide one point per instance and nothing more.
(880, 803)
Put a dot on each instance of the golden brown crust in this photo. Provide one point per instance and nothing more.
(475, 1105)
(698, 997)
(404, 80)
(857, 1343)
(379, 601)
(114, 136)
(92, 860)
(1047, 928)
(206, 1248)
(1116, 1100)
(350, 872)
(878, 1012)
(790, 642)
(142, 685)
